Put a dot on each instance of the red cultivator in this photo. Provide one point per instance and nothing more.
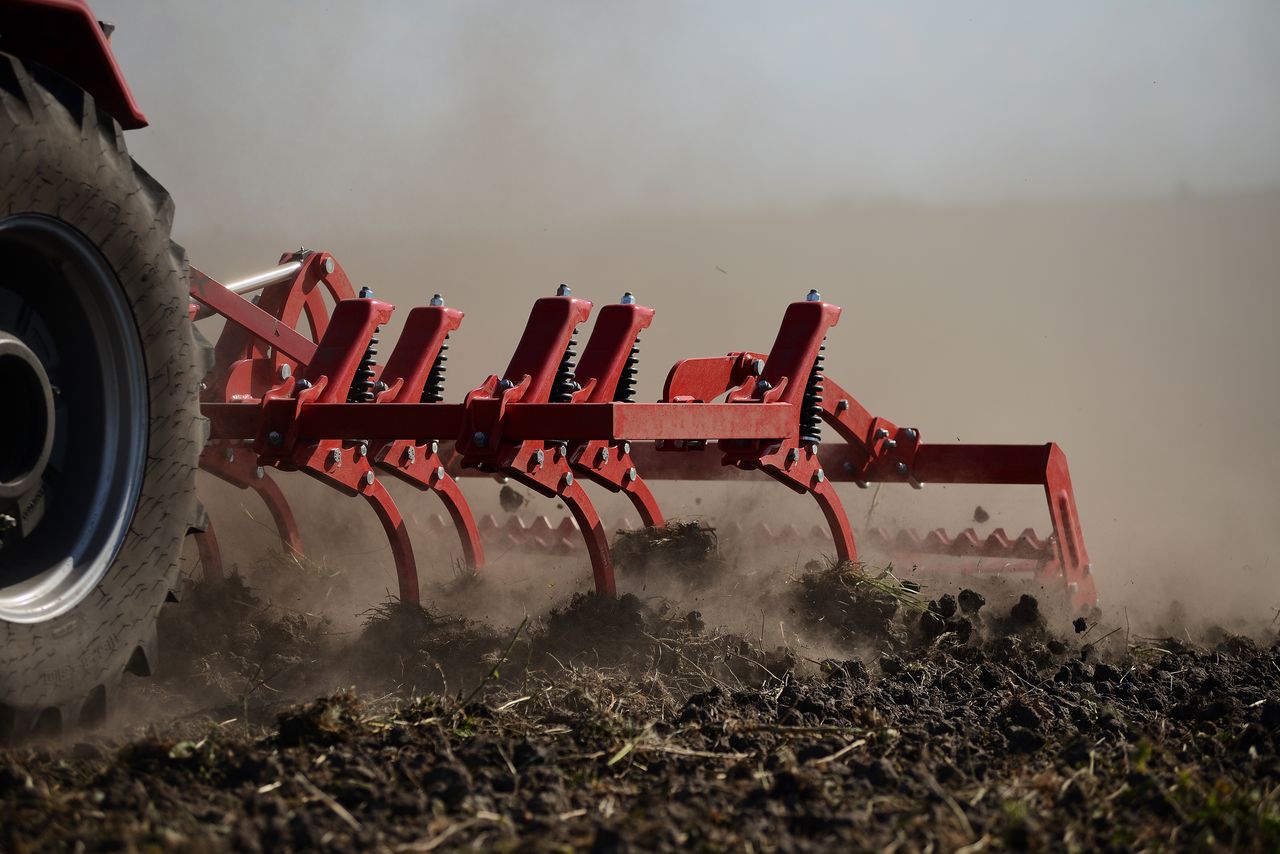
(323, 405)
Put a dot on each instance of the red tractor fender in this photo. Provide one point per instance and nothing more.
(65, 37)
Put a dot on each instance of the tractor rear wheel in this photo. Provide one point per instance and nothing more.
(99, 422)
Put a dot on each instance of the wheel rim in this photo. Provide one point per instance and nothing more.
(72, 462)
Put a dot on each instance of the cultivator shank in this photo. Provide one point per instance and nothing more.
(319, 402)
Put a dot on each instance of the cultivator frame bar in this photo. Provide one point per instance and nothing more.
(320, 403)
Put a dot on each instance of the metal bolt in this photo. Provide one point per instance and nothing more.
(439, 472)
(505, 384)
(568, 478)
(411, 454)
(562, 450)
(901, 468)
(763, 386)
(328, 265)
(861, 484)
(757, 367)
(842, 405)
(881, 433)
(538, 457)
(563, 291)
(302, 385)
(366, 292)
(813, 296)
(479, 439)
(230, 455)
(793, 455)
(259, 473)
(631, 474)
(913, 433)
(821, 475)
(436, 299)
(891, 443)
(368, 478)
(285, 372)
(626, 447)
(335, 456)
(274, 439)
(435, 446)
(381, 386)
(604, 455)
(362, 450)
(660, 443)
(628, 298)
(916, 484)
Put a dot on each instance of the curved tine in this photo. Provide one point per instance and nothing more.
(463, 520)
(398, 535)
(281, 513)
(837, 520)
(646, 505)
(593, 534)
(210, 554)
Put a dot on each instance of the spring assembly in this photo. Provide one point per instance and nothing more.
(811, 405)
(565, 385)
(362, 383)
(626, 390)
(433, 391)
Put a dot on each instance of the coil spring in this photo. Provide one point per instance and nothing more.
(433, 391)
(361, 390)
(565, 385)
(626, 390)
(811, 404)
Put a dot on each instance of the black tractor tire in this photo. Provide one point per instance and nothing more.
(64, 160)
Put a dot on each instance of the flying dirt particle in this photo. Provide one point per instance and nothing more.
(980, 514)
(944, 606)
(932, 625)
(1026, 612)
(971, 601)
(510, 499)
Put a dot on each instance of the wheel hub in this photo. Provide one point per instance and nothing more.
(26, 435)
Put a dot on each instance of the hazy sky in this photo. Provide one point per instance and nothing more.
(498, 111)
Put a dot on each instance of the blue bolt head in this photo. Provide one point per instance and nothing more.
(563, 291)
(813, 296)
(628, 298)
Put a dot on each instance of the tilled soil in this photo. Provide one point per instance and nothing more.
(613, 726)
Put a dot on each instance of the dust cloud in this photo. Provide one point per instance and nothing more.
(1043, 224)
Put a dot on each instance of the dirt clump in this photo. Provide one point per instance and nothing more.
(685, 552)
(856, 604)
(224, 643)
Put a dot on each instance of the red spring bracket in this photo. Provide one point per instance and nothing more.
(418, 461)
(608, 462)
(542, 358)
